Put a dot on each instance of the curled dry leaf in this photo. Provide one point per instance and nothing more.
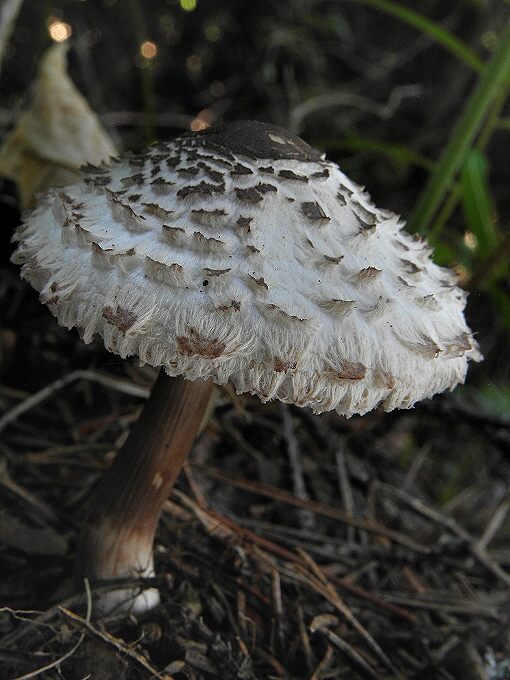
(56, 136)
(8, 13)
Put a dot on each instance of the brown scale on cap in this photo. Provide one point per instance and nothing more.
(124, 213)
(351, 370)
(161, 186)
(313, 211)
(259, 281)
(264, 187)
(410, 267)
(240, 169)
(460, 344)
(197, 344)
(133, 180)
(90, 169)
(206, 243)
(365, 215)
(321, 174)
(201, 188)
(215, 175)
(101, 181)
(192, 170)
(282, 366)
(138, 162)
(202, 214)
(250, 195)
(385, 379)
(122, 318)
(157, 157)
(337, 307)
(176, 235)
(97, 250)
(156, 210)
(328, 259)
(215, 272)
(290, 174)
(368, 274)
(423, 345)
(283, 313)
(234, 305)
(244, 223)
(172, 275)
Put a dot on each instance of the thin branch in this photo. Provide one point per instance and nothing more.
(58, 385)
(119, 645)
(70, 653)
(448, 523)
(314, 506)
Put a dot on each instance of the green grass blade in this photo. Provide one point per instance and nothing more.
(496, 75)
(502, 301)
(399, 154)
(431, 28)
(146, 73)
(477, 203)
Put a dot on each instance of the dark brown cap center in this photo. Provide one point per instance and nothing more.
(257, 140)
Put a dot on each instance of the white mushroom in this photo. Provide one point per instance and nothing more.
(235, 254)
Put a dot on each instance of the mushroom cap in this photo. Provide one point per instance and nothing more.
(241, 254)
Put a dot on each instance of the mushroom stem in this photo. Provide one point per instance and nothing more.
(118, 534)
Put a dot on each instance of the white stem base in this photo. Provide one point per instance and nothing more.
(120, 556)
(126, 601)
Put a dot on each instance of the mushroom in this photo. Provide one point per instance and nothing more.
(235, 254)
